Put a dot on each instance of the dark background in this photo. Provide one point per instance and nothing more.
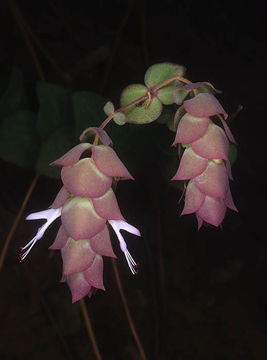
(198, 295)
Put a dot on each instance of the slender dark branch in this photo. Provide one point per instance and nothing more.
(89, 329)
(127, 310)
(17, 219)
(19, 20)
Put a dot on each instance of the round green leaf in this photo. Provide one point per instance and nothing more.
(180, 95)
(132, 92)
(158, 73)
(108, 108)
(165, 94)
(120, 118)
(143, 112)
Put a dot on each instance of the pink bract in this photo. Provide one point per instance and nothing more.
(101, 243)
(212, 210)
(213, 181)
(108, 162)
(229, 201)
(77, 256)
(60, 199)
(204, 105)
(94, 274)
(85, 179)
(80, 219)
(107, 206)
(213, 144)
(190, 128)
(193, 199)
(191, 165)
(72, 156)
(78, 285)
(61, 239)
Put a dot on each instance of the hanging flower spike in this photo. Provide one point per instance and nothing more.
(86, 202)
(204, 162)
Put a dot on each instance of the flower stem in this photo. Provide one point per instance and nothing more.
(145, 97)
(166, 82)
(132, 103)
(89, 329)
(126, 308)
(17, 219)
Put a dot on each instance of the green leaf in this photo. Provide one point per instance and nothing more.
(207, 87)
(157, 74)
(140, 113)
(232, 154)
(165, 95)
(132, 92)
(108, 108)
(180, 95)
(12, 98)
(19, 141)
(56, 145)
(119, 118)
(55, 108)
(88, 110)
(167, 117)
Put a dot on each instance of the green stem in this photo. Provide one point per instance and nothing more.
(145, 97)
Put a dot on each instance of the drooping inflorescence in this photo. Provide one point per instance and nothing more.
(86, 203)
(205, 164)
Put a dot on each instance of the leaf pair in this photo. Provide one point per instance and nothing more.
(150, 108)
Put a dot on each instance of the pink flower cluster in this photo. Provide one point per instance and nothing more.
(204, 163)
(86, 202)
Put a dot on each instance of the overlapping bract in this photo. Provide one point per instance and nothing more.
(204, 163)
(86, 202)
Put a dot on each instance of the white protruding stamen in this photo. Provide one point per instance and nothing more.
(118, 225)
(50, 215)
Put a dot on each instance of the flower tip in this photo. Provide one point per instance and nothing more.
(136, 268)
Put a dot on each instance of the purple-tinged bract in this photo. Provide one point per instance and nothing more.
(86, 203)
(204, 163)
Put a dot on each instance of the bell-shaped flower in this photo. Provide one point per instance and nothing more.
(204, 163)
